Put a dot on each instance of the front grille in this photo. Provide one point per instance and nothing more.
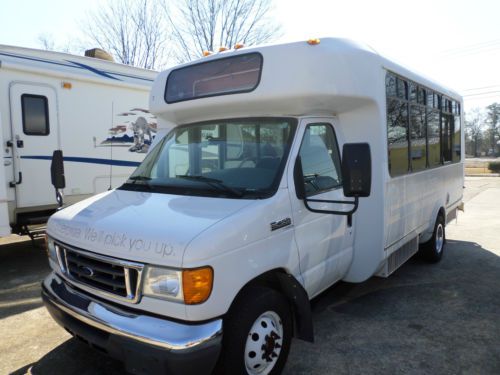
(110, 276)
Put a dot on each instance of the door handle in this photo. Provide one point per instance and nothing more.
(20, 143)
(10, 144)
(14, 183)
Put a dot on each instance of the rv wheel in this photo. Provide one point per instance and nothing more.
(257, 334)
(432, 250)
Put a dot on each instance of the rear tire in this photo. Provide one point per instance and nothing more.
(432, 250)
(257, 334)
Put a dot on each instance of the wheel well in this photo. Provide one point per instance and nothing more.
(442, 213)
(286, 284)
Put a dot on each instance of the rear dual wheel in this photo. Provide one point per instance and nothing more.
(432, 250)
(257, 334)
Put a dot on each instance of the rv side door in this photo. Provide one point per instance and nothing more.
(35, 133)
(324, 240)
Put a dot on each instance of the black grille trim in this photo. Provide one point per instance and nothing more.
(109, 277)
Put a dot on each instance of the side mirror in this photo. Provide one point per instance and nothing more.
(356, 169)
(300, 191)
(57, 174)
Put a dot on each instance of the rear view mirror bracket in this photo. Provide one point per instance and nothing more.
(301, 194)
(57, 175)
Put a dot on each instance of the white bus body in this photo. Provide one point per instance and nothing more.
(92, 109)
(234, 116)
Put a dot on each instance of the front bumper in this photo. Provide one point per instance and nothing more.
(145, 344)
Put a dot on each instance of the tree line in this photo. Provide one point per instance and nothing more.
(482, 131)
(152, 34)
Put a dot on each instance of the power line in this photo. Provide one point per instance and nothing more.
(472, 47)
(481, 88)
(484, 93)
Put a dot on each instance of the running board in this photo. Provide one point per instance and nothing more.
(398, 258)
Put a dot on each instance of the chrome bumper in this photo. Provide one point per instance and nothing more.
(176, 339)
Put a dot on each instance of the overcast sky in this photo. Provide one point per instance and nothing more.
(456, 42)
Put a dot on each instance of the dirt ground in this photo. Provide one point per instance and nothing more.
(424, 319)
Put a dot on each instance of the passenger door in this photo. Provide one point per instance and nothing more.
(325, 241)
(35, 132)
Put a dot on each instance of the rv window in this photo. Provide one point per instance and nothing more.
(35, 112)
(229, 75)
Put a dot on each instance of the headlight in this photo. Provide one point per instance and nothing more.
(50, 247)
(191, 286)
(163, 283)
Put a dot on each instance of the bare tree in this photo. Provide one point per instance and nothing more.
(133, 31)
(47, 43)
(474, 124)
(204, 25)
(493, 120)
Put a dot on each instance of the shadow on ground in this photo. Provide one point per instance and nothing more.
(22, 268)
(440, 318)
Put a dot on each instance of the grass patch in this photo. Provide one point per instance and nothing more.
(494, 166)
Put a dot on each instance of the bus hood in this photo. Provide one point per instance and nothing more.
(138, 226)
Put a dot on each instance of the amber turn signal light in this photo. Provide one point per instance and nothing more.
(197, 284)
(313, 42)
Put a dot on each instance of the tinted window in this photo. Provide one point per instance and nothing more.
(35, 114)
(446, 136)
(390, 85)
(397, 136)
(433, 137)
(217, 77)
(418, 141)
(457, 140)
(320, 159)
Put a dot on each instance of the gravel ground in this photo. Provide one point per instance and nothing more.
(424, 319)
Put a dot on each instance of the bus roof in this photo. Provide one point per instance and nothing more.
(334, 76)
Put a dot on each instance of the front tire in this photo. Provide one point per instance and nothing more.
(432, 250)
(257, 334)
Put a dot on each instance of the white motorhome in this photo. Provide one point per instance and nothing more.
(95, 111)
(287, 168)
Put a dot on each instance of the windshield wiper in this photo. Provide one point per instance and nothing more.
(144, 180)
(140, 178)
(213, 182)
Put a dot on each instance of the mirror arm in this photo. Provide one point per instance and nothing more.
(350, 212)
(59, 198)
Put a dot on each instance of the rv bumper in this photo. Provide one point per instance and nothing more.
(145, 344)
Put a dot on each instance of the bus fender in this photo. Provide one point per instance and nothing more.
(299, 299)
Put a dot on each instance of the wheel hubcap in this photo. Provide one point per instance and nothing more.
(439, 238)
(264, 343)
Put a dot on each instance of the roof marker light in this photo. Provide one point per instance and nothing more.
(222, 49)
(207, 53)
(313, 42)
(239, 45)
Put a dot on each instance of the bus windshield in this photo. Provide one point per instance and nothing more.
(237, 158)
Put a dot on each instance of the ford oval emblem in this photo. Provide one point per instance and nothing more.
(87, 271)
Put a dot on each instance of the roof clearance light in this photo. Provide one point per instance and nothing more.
(66, 85)
(239, 45)
(313, 42)
(207, 53)
(222, 49)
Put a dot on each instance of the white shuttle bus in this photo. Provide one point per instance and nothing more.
(285, 168)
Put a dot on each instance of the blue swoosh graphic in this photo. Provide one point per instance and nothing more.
(76, 159)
